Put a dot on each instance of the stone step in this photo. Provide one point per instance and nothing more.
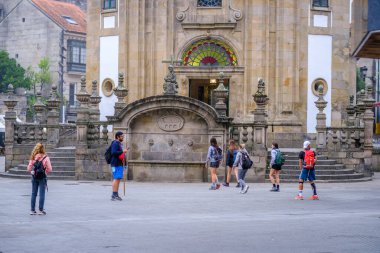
(320, 172)
(317, 167)
(319, 162)
(62, 159)
(294, 156)
(324, 177)
(62, 167)
(51, 177)
(59, 154)
(18, 171)
(295, 181)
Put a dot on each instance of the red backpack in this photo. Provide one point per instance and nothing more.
(309, 159)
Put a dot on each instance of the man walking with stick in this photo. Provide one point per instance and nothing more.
(118, 154)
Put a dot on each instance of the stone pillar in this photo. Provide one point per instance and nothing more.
(260, 153)
(368, 118)
(321, 120)
(83, 115)
(351, 113)
(53, 119)
(10, 120)
(39, 108)
(221, 93)
(260, 116)
(94, 129)
(121, 92)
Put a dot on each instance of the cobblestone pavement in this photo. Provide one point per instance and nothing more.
(160, 217)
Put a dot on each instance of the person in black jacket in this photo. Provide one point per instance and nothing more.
(117, 153)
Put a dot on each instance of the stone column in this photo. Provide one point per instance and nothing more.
(94, 129)
(53, 119)
(83, 115)
(10, 120)
(39, 108)
(321, 120)
(351, 113)
(121, 92)
(260, 116)
(260, 153)
(368, 118)
(220, 94)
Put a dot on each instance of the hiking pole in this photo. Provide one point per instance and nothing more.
(126, 171)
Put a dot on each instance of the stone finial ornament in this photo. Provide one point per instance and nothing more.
(170, 84)
(10, 102)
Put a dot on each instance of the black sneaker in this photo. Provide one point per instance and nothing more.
(118, 198)
(41, 212)
(226, 184)
(238, 185)
(33, 212)
(274, 189)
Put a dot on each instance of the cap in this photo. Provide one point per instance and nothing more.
(118, 133)
(306, 144)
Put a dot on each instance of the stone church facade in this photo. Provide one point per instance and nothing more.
(293, 45)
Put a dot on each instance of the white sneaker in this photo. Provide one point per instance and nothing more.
(246, 187)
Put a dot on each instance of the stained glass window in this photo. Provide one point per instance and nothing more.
(209, 52)
(209, 3)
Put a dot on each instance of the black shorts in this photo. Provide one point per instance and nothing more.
(276, 167)
(214, 164)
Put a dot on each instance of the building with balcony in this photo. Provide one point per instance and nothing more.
(33, 29)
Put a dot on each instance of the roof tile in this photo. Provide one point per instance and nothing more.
(56, 10)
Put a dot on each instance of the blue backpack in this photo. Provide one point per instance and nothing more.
(218, 154)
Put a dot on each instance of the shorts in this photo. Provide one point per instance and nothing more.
(231, 165)
(117, 172)
(307, 175)
(214, 164)
(276, 167)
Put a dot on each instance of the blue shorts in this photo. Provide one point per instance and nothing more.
(117, 172)
(307, 175)
(214, 164)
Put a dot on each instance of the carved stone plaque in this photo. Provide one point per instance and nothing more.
(170, 123)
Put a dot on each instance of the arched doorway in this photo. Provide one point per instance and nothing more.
(208, 55)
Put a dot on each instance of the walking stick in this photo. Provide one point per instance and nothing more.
(126, 171)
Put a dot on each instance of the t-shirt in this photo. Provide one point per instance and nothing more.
(301, 155)
(231, 156)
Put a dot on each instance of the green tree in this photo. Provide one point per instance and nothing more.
(360, 84)
(12, 73)
(43, 76)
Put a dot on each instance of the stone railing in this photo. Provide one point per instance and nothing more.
(29, 133)
(352, 144)
(345, 138)
(67, 134)
(97, 134)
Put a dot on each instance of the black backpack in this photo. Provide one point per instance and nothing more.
(39, 169)
(108, 155)
(246, 161)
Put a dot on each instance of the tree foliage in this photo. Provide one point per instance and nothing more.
(360, 84)
(12, 73)
(43, 76)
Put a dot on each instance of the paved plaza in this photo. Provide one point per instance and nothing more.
(161, 217)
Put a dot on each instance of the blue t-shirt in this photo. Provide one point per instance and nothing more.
(116, 150)
(231, 156)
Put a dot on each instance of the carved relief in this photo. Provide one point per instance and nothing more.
(192, 17)
(170, 123)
